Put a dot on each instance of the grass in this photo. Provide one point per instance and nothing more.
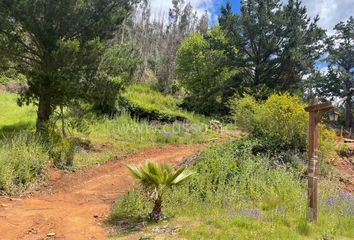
(14, 118)
(23, 160)
(124, 135)
(104, 139)
(23, 164)
(236, 195)
(147, 103)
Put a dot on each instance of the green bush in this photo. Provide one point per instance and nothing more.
(134, 204)
(62, 152)
(121, 61)
(4, 79)
(145, 103)
(280, 123)
(104, 93)
(61, 149)
(225, 176)
(202, 66)
(22, 164)
(343, 150)
(11, 76)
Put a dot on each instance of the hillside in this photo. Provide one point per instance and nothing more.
(176, 119)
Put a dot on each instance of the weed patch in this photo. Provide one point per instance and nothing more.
(238, 195)
(23, 163)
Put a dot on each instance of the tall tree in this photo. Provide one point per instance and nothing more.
(158, 38)
(278, 45)
(57, 45)
(204, 70)
(339, 79)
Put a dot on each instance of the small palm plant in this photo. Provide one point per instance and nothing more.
(156, 179)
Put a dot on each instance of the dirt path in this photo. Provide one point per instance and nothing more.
(75, 206)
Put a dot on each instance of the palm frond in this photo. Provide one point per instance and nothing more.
(160, 176)
(151, 178)
(184, 175)
(135, 171)
(172, 177)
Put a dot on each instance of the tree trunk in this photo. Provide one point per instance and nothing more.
(43, 113)
(62, 120)
(156, 213)
(348, 113)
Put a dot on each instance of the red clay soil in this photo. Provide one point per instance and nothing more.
(345, 166)
(75, 206)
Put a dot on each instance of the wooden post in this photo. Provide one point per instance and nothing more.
(341, 132)
(316, 113)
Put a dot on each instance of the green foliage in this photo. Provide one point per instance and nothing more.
(326, 142)
(145, 103)
(343, 150)
(4, 79)
(277, 44)
(338, 80)
(280, 123)
(121, 61)
(99, 139)
(134, 204)
(11, 75)
(61, 150)
(104, 94)
(60, 52)
(203, 71)
(14, 118)
(156, 180)
(117, 68)
(22, 164)
(236, 194)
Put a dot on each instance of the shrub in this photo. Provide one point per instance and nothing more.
(202, 66)
(22, 164)
(280, 123)
(60, 147)
(343, 150)
(236, 191)
(121, 61)
(228, 175)
(134, 204)
(4, 79)
(62, 152)
(104, 93)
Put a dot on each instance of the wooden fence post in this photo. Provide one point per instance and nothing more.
(316, 113)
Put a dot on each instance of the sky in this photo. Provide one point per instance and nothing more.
(330, 11)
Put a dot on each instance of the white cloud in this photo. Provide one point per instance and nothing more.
(331, 12)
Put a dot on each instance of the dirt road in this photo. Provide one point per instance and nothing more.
(75, 206)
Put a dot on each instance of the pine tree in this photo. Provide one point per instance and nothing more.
(278, 45)
(57, 45)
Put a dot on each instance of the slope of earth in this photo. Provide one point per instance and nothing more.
(345, 166)
(75, 206)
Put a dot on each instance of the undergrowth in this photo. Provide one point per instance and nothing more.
(124, 134)
(237, 195)
(23, 163)
(95, 141)
(146, 103)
